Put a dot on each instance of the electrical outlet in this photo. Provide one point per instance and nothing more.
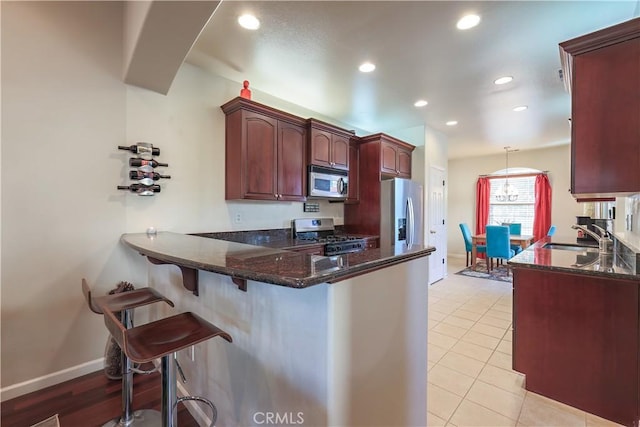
(237, 218)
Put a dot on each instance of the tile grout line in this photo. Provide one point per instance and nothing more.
(475, 379)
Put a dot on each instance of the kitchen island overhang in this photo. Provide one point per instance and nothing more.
(249, 262)
(351, 352)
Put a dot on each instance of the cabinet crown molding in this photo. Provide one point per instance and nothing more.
(383, 137)
(240, 103)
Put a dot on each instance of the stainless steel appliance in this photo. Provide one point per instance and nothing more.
(401, 213)
(322, 230)
(328, 183)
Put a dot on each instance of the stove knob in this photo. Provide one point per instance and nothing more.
(338, 248)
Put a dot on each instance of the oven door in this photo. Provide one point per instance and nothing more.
(327, 183)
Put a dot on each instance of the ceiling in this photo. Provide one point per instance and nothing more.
(308, 53)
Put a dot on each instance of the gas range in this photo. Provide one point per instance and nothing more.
(322, 230)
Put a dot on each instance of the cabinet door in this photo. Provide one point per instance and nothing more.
(291, 162)
(605, 122)
(259, 140)
(339, 152)
(404, 163)
(320, 148)
(353, 191)
(388, 158)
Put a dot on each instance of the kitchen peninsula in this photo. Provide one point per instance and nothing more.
(317, 340)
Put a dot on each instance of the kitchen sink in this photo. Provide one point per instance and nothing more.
(570, 247)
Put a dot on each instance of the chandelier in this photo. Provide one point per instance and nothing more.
(507, 192)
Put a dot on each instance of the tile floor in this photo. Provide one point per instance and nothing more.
(470, 378)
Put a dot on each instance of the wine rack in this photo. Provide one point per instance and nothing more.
(145, 177)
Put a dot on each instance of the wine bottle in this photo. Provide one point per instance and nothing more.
(153, 175)
(135, 162)
(141, 148)
(143, 190)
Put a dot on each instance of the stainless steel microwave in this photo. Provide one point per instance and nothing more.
(328, 183)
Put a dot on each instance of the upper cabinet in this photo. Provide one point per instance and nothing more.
(602, 72)
(265, 153)
(328, 145)
(392, 155)
(379, 157)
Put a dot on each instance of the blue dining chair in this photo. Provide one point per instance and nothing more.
(466, 235)
(552, 231)
(498, 245)
(514, 228)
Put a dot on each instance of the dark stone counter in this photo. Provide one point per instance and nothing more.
(273, 238)
(265, 264)
(587, 262)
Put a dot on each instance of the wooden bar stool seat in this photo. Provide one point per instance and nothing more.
(123, 300)
(124, 303)
(163, 339)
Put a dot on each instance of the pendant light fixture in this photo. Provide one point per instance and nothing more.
(507, 193)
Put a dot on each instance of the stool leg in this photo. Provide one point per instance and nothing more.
(129, 418)
(169, 391)
(127, 377)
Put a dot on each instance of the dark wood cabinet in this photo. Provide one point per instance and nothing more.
(603, 73)
(353, 190)
(395, 155)
(396, 160)
(265, 156)
(380, 157)
(328, 145)
(576, 338)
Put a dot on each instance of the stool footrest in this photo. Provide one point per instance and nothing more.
(214, 410)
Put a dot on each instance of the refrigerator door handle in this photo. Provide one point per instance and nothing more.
(410, 222)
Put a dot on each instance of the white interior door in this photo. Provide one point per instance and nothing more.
(437, 229)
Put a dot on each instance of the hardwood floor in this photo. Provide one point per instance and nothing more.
(90, 400)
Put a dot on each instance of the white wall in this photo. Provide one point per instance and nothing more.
(63, 112)
(463, 175)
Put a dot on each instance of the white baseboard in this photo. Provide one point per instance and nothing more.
(54, 378)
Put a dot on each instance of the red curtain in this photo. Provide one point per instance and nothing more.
(483, 193)
(542, 215)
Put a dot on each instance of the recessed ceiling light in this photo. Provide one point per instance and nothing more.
(367, 67)
(520, 108)
(503, 80)
(420, 103)
(468, 21)
(249, 22)
(451, 123)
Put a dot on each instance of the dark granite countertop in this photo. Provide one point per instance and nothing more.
(265, 264)
(587, 261)
(276, 238)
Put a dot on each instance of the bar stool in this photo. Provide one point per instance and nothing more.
(164, 338)
(124, 303)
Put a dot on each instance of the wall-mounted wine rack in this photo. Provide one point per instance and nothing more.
(144, 174)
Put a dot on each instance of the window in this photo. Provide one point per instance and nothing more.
(520, 210)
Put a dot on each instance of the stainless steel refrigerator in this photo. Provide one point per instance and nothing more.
(401, 213)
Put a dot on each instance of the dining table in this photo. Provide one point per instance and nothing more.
(523, 240)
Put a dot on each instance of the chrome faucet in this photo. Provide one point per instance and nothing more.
(605, 244)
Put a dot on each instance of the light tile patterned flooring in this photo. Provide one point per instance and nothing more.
(471, 382)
